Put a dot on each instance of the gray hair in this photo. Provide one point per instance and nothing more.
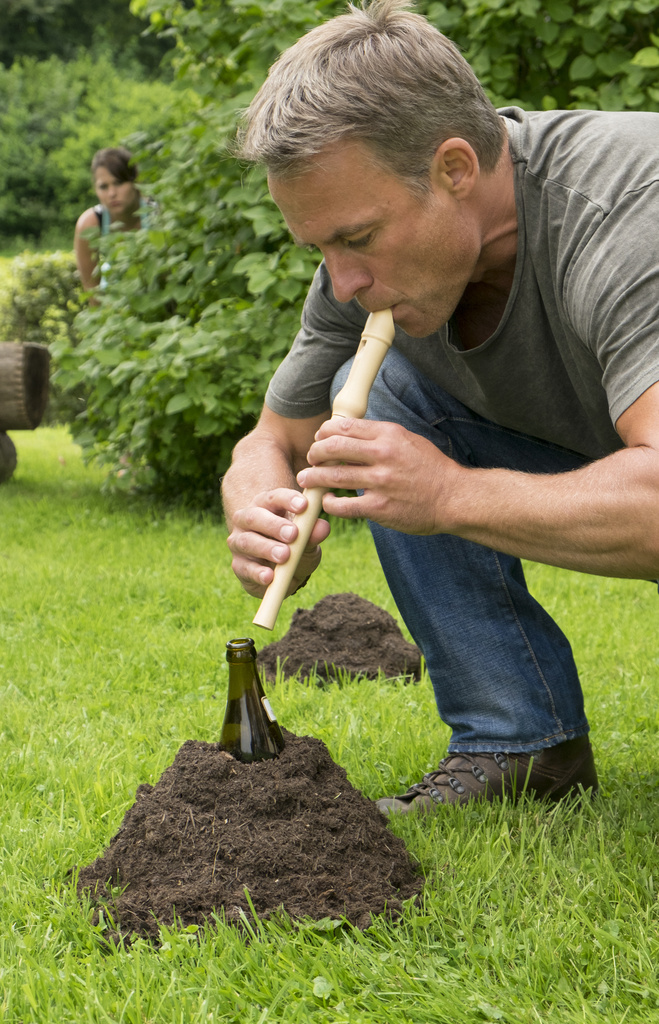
(379, 74)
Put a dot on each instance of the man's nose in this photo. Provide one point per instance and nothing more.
(347, 276)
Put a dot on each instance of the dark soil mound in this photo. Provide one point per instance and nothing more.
(293, 831)
(343, 631)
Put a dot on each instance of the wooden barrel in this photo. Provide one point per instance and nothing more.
(24, 379)
(7, 457)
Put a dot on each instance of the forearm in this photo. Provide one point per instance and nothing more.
(602, 519)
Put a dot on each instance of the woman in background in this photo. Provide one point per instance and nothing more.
(114, 177)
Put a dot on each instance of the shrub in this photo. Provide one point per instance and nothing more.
(547, 54)
(167, 402)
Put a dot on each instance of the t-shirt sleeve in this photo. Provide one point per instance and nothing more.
(329, 335)
(614, 297)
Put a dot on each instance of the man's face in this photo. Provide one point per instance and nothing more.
(382, 245)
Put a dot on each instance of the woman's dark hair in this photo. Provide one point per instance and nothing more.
(118, 161)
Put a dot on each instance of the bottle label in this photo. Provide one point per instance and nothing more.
(268, 710)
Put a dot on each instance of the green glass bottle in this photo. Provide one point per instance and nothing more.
(250, 731)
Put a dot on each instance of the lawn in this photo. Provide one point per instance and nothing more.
(114, 615)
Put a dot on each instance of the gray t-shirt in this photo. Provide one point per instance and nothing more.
(579, 338)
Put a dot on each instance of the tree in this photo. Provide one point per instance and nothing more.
(45, 28)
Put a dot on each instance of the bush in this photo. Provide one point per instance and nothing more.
(201, 307)
(548, 54)
(168, 401)
(39, 303)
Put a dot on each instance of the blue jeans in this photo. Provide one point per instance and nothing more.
(503, 672)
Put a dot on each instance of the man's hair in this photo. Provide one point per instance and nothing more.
(118, 161)
(379, 74)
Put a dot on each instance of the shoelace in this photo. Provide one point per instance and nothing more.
(448, 770)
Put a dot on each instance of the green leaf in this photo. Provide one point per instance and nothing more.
(582, 67)
(559, 11)
(259, 281)
(556, 56)
(110, 356)
(548, 31)
(177, 403)
(289, 288)
(648, 57)
(322, 988)
(613, 62)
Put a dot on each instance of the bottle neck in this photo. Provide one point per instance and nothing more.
(242, 677)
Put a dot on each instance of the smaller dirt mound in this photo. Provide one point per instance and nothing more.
(342, 632)
(292, 831)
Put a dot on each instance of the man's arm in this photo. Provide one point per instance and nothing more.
(602, 519)
(261, 496)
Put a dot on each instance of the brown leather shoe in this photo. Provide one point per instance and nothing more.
(551, 773)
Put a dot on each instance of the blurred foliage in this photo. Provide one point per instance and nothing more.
(47, 28)
(202, 306)
(53, 117)
(39, 303)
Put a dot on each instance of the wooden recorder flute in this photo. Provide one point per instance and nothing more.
(352, 400)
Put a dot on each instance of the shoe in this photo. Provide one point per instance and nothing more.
(551, 773)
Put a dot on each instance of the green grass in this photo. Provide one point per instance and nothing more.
(113, 621)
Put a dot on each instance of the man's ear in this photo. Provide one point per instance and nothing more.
(455, 168)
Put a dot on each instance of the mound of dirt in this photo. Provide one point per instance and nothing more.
(292, 831)
(342, 632)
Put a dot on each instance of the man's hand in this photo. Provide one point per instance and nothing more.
(406, 480)
(261, 536)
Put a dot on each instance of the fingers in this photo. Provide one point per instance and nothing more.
(404, 479)
(353, 440)
(261, 536)
(353, 455)
(255, 577)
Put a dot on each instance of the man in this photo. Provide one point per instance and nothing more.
(517, 415)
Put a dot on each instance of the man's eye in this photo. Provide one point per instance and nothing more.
(359, 243)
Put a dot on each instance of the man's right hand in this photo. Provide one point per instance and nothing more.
(261, 538)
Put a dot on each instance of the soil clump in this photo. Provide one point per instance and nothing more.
(292, 831)
(342, 632)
